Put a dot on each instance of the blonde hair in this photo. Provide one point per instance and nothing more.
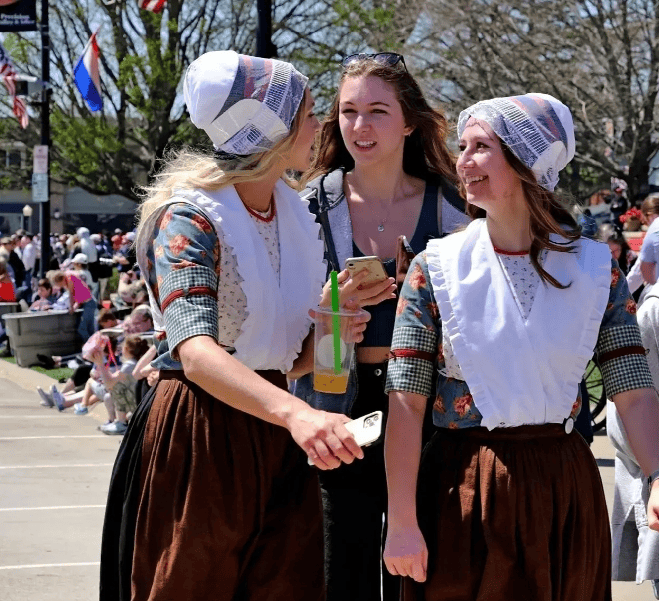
(56, 276)
(189, 169)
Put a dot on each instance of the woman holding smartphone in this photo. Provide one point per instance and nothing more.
(509, 503)
(382, 170)
(211, 495)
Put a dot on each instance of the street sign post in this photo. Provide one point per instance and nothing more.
(40, 155)
(39, 187)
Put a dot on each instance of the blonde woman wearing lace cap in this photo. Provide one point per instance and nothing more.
(211, 496)
(507, 502)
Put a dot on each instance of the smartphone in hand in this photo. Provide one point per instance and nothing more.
(376, 271)
(366, 429)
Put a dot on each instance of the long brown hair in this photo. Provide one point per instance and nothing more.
(425, 152)
(548, 216)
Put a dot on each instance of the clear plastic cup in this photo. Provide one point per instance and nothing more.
(326, 376)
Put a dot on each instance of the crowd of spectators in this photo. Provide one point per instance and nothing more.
(97, 278)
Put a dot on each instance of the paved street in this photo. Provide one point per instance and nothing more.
(54, 473)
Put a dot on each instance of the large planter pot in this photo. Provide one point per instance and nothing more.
(9, 308)
(45, 333)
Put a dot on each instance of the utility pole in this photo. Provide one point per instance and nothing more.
(264, 46)
(44, 207)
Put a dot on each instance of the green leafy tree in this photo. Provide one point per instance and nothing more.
(143, 60)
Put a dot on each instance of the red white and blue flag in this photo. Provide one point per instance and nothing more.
(155, 6)
(86, 77)
(8, 74)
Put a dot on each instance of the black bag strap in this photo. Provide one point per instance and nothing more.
(330, 250)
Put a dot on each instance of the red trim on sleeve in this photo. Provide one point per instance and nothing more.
(192, 291)
(412, 353)
(621, 352)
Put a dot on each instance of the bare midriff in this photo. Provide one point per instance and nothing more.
(372, 354)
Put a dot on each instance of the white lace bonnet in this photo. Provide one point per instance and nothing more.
(244, 103)
(537, 128)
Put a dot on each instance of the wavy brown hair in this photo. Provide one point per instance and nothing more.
(425, 152)
(548, 216)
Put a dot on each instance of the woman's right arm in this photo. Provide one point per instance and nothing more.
(321, 435)
(405, 551)
(409, 383)
(186, 258)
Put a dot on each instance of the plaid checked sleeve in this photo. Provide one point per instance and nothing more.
(620, 350)
(185, 251)
(416, 333)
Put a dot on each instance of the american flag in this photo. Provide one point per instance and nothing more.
(155, 6)
(9, 78)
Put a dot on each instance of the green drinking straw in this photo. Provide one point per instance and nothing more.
(336, 322)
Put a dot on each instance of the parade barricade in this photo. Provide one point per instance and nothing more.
(42, 332)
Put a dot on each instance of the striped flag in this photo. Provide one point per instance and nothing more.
(86, 77)
(155, 6)
(8, 74)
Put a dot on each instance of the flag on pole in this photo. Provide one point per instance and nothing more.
(8, 74)
(86, 77)
(155, 6)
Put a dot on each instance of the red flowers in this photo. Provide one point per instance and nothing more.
(416, 278)
(178, 243)
(402, 304)
(633, 213)
(201, 224)
(438, 405)
(630, 306)
(615, 277)
(163, 222)
(462, 404)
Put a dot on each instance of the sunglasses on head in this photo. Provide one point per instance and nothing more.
(384, 58)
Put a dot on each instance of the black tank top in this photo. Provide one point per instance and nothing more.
(380, 328)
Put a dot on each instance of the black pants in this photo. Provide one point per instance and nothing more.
(354, 506)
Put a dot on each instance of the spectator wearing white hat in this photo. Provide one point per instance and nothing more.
(88, 247)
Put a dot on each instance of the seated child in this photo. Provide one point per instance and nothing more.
(121, 384)
(44, 298)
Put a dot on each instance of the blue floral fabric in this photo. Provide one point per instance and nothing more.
(183, 271)
(417, 337)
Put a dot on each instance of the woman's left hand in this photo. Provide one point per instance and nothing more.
(653, 507)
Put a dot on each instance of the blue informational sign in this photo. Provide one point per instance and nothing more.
(18, 15)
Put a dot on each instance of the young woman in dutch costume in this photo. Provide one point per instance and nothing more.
(211, 495)
(507, 502)
(382, 170)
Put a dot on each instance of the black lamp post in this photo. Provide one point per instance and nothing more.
(264, 46)
(44, 207)
(27, 213)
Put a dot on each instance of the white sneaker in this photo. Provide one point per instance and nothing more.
(114, 428)
(46, 399)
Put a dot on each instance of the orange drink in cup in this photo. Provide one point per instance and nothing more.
(333, 355)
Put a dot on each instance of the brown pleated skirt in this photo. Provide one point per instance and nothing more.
(513, 513)
(228, 508)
